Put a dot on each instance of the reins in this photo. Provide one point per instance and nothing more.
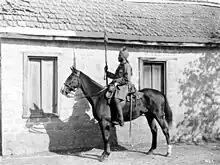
(94, 94)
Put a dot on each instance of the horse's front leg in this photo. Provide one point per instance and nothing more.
(105, 128)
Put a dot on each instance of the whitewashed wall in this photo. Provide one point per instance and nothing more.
(76, 127)
(16, 137)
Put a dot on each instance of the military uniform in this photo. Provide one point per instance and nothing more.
(122, 80)
(122, 77)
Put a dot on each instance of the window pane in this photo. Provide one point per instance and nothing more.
(34, 103)
(153, 75)
(147, 76)
(48, 74)
(156, 69)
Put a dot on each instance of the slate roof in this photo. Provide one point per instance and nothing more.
(124, 20)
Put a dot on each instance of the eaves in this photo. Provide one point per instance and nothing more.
(77, 36)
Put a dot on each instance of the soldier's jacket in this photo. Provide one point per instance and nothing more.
(123, 78)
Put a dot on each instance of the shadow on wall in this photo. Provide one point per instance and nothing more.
(200, 91)
(77, 133)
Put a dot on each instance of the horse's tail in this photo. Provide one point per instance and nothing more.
(168, 112)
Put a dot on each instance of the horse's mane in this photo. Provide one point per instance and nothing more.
(93, 81)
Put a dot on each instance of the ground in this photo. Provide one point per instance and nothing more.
(183, 154)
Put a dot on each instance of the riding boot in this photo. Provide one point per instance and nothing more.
(120, 114)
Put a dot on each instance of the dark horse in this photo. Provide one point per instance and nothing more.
(155, 106)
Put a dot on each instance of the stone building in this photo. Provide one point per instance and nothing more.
(40, 40)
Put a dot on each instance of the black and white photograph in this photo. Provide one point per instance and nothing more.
(111, 82)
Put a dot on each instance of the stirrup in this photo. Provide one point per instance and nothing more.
(118, 123)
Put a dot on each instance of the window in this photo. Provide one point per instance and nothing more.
(40, 86)
(152, 75)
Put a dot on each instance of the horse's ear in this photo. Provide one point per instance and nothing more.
(73, 69)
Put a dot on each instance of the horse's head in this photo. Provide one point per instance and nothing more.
(71, 83)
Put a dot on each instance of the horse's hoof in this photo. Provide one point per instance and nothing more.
(168, 154)
(150, 152)
(104, 156)
(169, 150)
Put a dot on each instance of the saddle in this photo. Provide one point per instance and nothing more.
(132, 92)
(134, 99)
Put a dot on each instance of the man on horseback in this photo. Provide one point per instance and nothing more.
(122, 81)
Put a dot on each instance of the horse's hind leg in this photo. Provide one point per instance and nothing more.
(153, 128)
(164, 126)
(105, 128)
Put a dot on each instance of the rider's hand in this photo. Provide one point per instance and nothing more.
(106, 68)
(114, 81)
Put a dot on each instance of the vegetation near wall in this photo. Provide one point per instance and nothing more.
(200, 90)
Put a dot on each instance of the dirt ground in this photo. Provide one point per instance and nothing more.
(183, 154)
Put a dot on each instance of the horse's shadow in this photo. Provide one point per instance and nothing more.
(77, 134)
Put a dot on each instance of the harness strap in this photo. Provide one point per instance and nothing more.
(130, 114)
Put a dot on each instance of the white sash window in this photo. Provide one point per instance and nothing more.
(152, 75)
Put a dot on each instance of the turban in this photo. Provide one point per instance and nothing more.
(124, 52)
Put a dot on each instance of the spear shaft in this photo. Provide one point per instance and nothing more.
(106, 48)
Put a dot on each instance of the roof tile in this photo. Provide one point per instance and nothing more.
(30, 24)
(41, 19)
(35, 19)
(54, 26)
(69, 26)
(45, 25)
(62, 26)
(12, 23)
(21, 23)
(79, 28)
(4, 23)
(145, 19)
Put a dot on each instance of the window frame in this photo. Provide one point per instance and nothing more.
(40, 55)
(152, 61)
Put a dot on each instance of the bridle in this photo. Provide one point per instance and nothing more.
(69, 87)
(77, 74)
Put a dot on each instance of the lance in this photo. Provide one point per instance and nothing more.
(106, 47)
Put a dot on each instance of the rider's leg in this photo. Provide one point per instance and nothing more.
(119, 104)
